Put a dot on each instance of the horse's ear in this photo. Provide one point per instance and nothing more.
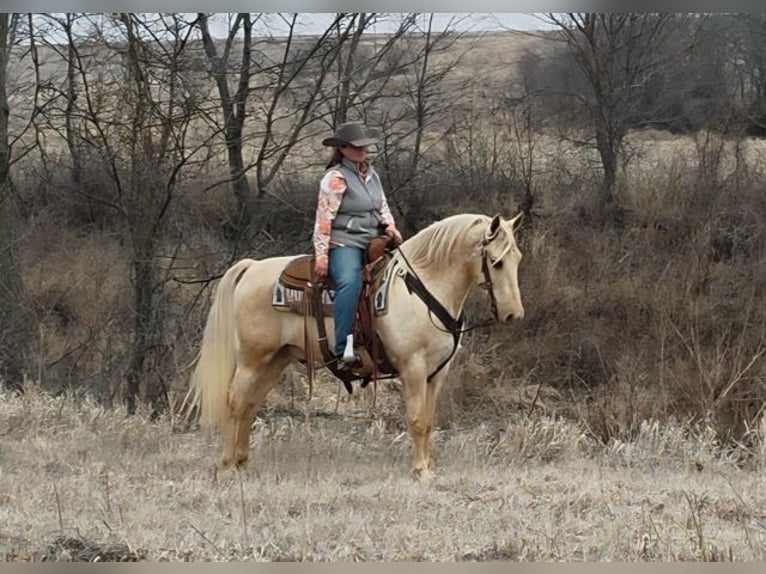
(494, 225)
(516, 221)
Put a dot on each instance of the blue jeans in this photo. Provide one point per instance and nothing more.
(345, 267)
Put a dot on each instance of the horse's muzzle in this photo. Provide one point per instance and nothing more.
(517, 315)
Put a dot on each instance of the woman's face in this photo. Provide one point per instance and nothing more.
(355, 154)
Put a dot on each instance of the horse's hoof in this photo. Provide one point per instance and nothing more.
(225, 463)
(423, 474)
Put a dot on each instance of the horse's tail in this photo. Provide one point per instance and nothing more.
(217, 355)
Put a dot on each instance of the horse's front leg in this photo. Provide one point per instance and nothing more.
(433, 387)
(419, 421)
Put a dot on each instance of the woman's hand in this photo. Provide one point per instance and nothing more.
(320, 266)
(394, 234)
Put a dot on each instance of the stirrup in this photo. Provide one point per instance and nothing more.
(349, 360)
(349, 364)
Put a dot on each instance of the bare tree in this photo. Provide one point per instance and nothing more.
(290, 92)
(492, 152)
(13, 337)
(424, 88)
(364, 71)
(294, 81)
(749, 62)
(278, 90)
(71, 96)
(14, 315)
(233, 106)
(156, 130)
(134, 107)
(524, 127)
(418, 78)
(56, 33)
(346, 66)
(618, 53)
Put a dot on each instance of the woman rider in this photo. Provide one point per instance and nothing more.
(351, 210)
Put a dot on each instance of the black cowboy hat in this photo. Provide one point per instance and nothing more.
(352, 133)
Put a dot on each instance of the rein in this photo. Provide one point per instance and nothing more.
(438, 309)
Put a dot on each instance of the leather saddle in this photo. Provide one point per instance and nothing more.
(299, 275)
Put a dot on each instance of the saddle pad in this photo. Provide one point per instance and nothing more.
(380, 291)
(289, 298)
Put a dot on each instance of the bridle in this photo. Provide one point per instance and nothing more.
(487, 283)
(453, 326)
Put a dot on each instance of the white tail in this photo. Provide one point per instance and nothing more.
(217, 356)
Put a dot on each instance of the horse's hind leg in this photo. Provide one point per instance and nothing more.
(249, 388)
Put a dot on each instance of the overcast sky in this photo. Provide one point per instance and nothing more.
(312, 23)
(277, 24)
(392, 5)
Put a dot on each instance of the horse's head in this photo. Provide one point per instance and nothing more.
(500, 257)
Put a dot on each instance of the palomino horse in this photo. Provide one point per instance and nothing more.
(247, 343)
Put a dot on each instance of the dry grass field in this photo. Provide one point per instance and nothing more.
(329, 477)
(81, 483)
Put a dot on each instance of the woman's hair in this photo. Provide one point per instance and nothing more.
(335, 158)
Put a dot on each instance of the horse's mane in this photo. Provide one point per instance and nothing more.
(435, 244)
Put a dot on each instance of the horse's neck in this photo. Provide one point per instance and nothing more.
(450, 285)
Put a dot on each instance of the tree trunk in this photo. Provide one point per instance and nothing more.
(71, 134)
(527, 204)
(607, 149)
(143, 276)
(239, 183)
(13, 318)
(144, 215)
(346, 68)
(234, 110)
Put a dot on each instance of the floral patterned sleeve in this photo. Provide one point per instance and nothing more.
(331, 190)
(385, 212)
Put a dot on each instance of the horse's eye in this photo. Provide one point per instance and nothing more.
(497, 263)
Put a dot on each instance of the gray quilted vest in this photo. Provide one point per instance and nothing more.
(358, 216)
